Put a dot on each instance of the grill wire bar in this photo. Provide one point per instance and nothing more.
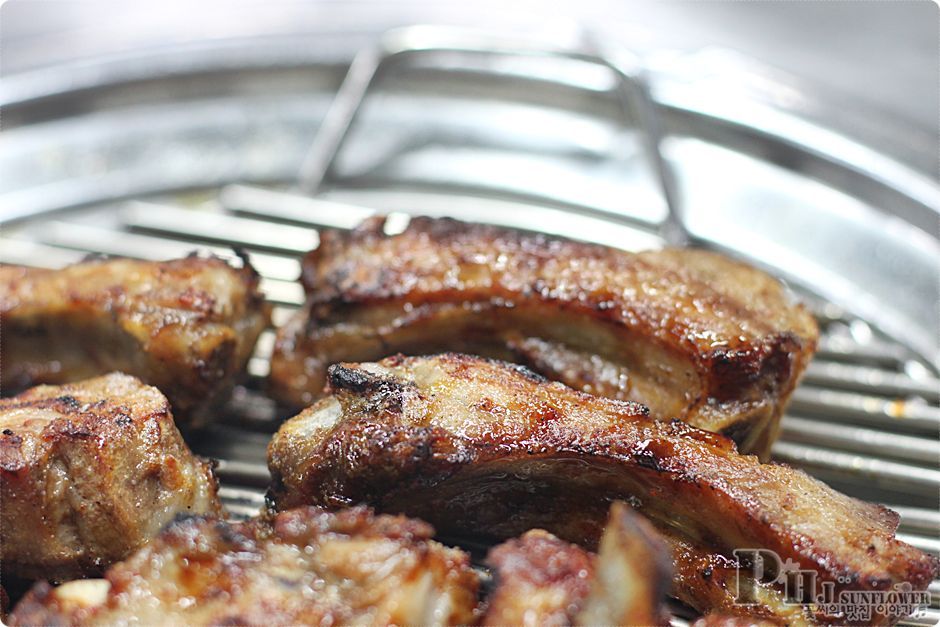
(861, 423)
(865, 419)
(425, 42)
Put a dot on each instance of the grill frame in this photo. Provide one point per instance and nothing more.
(861, 376)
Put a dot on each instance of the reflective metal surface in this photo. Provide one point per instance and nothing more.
(831, 215)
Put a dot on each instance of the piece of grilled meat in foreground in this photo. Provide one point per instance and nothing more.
(312, 567)
(89, 472)
(187, 326)
(691, 334)
(304, 567)
(489, 448)
(542, 580)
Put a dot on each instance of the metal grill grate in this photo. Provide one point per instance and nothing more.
(866, 418)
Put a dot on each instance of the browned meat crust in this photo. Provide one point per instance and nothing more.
(187, 326)
(691, 334)
(308, 567)
(542, 580)
(89, 472)
(485, 447)
(633, 573)
(706, 578)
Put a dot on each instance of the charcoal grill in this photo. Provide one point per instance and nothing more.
(151, 157)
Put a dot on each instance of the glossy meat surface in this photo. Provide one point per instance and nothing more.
(707, 578)
(187, 326)
(632, 574)
(89, 472)
(307, 567)
(542, 580)
(477, 446)
(691, 334)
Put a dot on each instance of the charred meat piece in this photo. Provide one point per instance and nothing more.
(691, 334)
(187, 326)
(539, 580)
(489, 448)
(632, 574)
(542, 580)
(89, 472)
(305, 567)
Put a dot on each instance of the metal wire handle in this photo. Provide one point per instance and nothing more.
(632, 88)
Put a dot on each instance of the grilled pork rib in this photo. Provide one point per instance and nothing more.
(483, 447)
(88, 473)
(691, 334)
(307, 567)
(542, 580)
(187, 326)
